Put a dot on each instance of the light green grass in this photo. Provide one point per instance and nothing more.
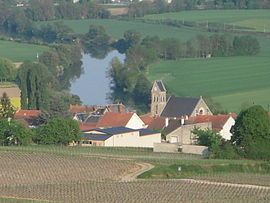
(116, 28)
(232, 81)
(18, 52)
(255, 19)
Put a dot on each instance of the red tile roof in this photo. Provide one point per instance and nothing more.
(157, 124)
(111, 119)
(147, 119)
(81, 109)
(87, 126)
(218, 121)
(27, 114)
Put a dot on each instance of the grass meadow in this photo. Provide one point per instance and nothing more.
(18, 52)
(253, 19)
(116, 28)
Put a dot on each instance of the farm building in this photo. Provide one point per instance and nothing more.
(30, 117)
(221, 124)
(120, 137)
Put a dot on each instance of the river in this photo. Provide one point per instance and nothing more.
(93, 86)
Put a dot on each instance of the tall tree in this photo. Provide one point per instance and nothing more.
(7, 110)
(33, 80)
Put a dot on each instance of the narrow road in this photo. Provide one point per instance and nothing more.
(132, 176)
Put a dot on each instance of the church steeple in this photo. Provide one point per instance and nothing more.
(158, 101)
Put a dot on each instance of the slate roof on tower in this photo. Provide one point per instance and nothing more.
(160, 85)
(179, 106)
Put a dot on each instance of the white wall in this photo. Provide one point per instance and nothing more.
(225, 132)
(133, 139)
(135, 122)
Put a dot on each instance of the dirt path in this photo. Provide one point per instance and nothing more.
(132, 176)
(223, 184)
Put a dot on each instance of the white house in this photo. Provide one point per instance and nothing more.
(221, 124)
(120, 137)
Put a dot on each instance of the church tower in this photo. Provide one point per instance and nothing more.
(158, 101)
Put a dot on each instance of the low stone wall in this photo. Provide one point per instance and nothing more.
(195, 149)
(166, 147)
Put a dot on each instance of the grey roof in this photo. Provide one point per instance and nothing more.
(161, 85)
(179, 106)
(90, 136)
(144, 132)
(92, 119)
(173, 125)
(115, 130)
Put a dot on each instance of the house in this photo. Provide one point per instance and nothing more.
(14, 93)
(180, 131)
(120, 137)
(221, 124)
(175, 107)
(178, 107)
(129, 120)
(30, 117)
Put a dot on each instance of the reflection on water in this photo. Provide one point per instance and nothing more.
(93, 86)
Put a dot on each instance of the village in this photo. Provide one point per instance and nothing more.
(168, 127)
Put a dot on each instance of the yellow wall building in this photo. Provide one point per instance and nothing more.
(14, 93)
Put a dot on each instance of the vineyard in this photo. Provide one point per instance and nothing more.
(51, 174)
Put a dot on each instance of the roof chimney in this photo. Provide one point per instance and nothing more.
(166, 122)
(182, 121)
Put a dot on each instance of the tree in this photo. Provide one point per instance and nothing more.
(13, 133)
(132, 37)
(207, 137)
(58, 131)
(141, 92)
(251, 126)
(7, 110)
(7, 70)
(97, 41)
(33, 79)
(246, 45)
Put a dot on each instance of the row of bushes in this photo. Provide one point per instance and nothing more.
(57, 131)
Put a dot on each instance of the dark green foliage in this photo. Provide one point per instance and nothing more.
(13, 133)
(6, 108)
(207, 138)
(141, 92)
(7, 70)
(131, 38)
(97, 41)
(246, 45)
(140, 57)
(251, 132)
(33, 81)
(58, 131)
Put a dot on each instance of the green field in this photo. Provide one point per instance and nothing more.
(255, 19)
(232, 81)
(18, 52)
(116, 28)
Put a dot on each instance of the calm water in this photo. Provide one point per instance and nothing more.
(93, 86)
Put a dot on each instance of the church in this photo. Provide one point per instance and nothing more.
(175, 107)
